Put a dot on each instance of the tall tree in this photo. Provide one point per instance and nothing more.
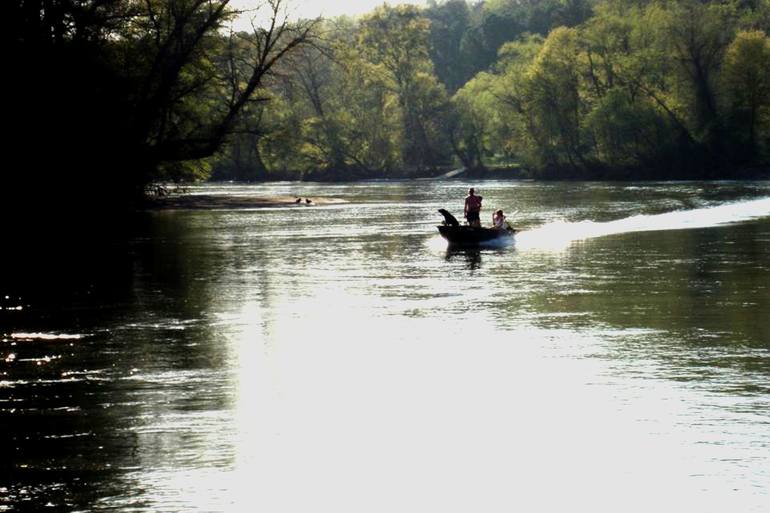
(128, 88)
(449, 22)
(698, 35)
(554, 99)
(470, 126)
(395, 39)
(747, 62)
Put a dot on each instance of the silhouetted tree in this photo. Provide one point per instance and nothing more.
(107, 96)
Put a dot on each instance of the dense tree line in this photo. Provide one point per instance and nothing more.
(560, 88)
(376, 100)
(105, 97)
(639, 89)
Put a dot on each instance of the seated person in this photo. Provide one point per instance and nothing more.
(500, 222)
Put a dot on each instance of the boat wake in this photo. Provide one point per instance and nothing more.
(559, 234)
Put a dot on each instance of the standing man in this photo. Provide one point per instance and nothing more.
(472, 208)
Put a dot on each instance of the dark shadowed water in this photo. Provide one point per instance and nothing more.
(340, 358)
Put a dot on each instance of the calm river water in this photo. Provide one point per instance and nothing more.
(340, 358)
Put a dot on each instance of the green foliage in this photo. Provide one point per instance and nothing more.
(366, 103)
(449, 22)
(747, 89)
(639, 88)
(553, 100)
(156, 90)
(395, 41)
(473, 121)
(606, 88)
(626, 132)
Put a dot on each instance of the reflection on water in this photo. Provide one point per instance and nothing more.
(343, 358)
(471, 256)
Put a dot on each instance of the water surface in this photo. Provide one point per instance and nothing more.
(342, 358)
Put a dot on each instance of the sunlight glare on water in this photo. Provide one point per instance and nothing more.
(422, 423)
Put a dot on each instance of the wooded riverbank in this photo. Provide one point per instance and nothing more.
(592, 89)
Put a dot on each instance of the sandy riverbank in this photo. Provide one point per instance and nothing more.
(219, 201)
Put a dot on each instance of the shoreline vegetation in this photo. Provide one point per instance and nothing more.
(502, 172)
(161, 92)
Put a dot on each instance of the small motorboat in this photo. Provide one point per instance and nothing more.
(464, 235)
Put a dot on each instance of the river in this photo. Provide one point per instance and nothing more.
(341, 358)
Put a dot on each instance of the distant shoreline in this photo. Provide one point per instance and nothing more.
(514, 172)
(183, 201)
(187, 201)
